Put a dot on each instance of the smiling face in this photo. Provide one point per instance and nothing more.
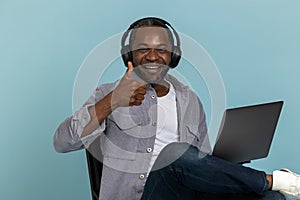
(151, 51)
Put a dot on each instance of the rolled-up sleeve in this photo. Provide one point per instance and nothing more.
(68, 135)
(81, 120)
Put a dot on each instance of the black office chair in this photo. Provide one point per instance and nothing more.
(94, 157)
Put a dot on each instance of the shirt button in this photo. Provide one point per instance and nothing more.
(153, 96)
(153, 123)
(142, 176)
(149, 150)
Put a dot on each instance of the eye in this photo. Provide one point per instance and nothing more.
(143, 50)
(162, 50)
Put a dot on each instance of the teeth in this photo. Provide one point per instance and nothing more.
(151, 67)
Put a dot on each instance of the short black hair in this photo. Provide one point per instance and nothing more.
(148, 22)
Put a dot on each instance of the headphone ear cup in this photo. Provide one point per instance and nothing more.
(175, 57)
(126, 54)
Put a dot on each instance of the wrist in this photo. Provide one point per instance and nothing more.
(112, 101)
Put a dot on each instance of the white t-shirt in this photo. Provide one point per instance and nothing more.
(167, 125)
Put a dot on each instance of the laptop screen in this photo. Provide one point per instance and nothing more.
(246, 133)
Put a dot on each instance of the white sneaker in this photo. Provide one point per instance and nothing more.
(290, 195)
(288, 183)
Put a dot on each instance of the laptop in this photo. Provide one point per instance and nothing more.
(246, 133)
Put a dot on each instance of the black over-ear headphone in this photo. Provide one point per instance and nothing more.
(126, 51)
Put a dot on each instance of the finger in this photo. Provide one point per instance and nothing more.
(136, 102)
(141, 91)
(136, 85)
(139, 97)
(131, 101)
(143, 86)
(129, 70)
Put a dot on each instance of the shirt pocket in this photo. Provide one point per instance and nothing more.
(120, 140)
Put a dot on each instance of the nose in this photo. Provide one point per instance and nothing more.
(152, 55)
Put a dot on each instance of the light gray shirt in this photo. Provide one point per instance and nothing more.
(127, 137)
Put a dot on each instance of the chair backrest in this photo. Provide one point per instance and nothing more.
(94, 158)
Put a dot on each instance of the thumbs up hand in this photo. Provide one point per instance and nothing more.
(129, 92)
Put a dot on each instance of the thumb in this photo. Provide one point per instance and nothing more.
(129, 70)
(130, 66)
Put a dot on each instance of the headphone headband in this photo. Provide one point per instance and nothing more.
(154, 21)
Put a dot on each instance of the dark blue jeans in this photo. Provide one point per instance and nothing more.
(182, 172)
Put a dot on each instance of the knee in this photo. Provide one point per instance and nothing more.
(176, 148)
(177, 153)
(169, 154)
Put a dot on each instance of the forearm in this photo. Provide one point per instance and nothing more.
(86, 124)
(99, 113)
(68, 136)
(79, 130)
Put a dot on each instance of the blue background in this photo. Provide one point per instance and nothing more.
(255, 45)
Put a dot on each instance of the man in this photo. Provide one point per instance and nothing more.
(153, 132)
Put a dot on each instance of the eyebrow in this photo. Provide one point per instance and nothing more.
(159, 45)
